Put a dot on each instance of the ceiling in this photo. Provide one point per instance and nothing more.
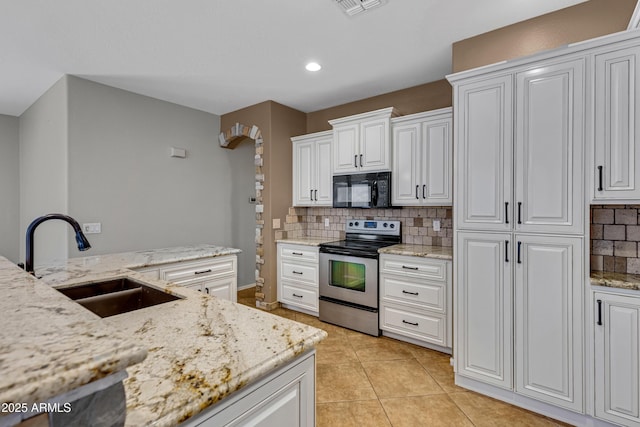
(222, 55)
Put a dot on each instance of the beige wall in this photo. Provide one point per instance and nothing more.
(576, 23)
(429, 96)
(277, 123)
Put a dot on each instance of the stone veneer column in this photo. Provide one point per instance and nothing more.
(230, 139)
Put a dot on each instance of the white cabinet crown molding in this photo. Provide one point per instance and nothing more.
(383, 112)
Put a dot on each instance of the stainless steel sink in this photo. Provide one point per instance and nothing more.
(116, 296)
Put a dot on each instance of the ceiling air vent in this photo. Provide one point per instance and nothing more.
(353, 7)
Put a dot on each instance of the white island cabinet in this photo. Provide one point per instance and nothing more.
(285, 398)
(215, 276)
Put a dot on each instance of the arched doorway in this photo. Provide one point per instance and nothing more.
(230, 139)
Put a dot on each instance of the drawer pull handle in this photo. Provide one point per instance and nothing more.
(409, 268)
(599, 322)
(203, 271)
(296, 253)
(410, 293)
(297, 272)
(298, 296)
(600, 178)
(409, 323)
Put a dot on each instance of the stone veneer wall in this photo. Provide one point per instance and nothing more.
(417, 223)
(615, 233)
(236, 133)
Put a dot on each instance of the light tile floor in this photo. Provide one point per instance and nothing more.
(364, 381)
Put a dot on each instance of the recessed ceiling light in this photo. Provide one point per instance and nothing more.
(313, 66)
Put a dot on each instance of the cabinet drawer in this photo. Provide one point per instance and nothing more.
(425, 327)
(307, 298)
(417, 293)
(415, 266)
(206, 268)
(299, 272)
(302, 253)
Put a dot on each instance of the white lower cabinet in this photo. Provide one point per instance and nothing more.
(519, 314)
(415, 300)
(215, 276)
(298, 277)
(285, 398)
(617, 358)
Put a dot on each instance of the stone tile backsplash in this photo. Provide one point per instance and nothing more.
(615, 233)
(417, 223)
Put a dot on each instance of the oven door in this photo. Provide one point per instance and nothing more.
(350, 279)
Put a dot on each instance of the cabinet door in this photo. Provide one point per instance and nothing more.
(549, 192)
(224, 287)
(484, 140)
(345, 148)
(406, 164)
(375, 148)
(303, 173)
(483, 318)
(617, 381)
(548, 319)
(323, 190)
(436, 160)
(617, 117)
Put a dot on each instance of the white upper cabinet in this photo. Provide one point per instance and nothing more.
(526, 177)
(616, 121)
(484, 154)
(422, 159)
(361, 143)
(312, 183)
(549, 190)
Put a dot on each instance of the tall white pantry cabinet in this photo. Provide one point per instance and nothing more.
(535, 140)
(519, 227)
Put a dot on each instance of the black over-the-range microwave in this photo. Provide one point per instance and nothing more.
(367, 190)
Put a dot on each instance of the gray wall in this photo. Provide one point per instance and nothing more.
(9, 188)
(43, 172)
(243, 217)
(121, 174)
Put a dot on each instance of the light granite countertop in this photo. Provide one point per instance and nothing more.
(307, 241)
(616, 280)
(50, 345)
(199, 348)
(423, 251)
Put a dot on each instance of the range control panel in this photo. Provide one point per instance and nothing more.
(373, 226)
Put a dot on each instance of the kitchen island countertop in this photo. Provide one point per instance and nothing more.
(199, 349)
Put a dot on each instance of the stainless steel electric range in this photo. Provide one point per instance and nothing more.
(349, 274)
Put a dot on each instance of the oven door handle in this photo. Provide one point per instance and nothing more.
(338, 252)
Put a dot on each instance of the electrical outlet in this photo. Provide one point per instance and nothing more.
(276, 223)
(326, 223)
(92, 228)
(436, 225)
